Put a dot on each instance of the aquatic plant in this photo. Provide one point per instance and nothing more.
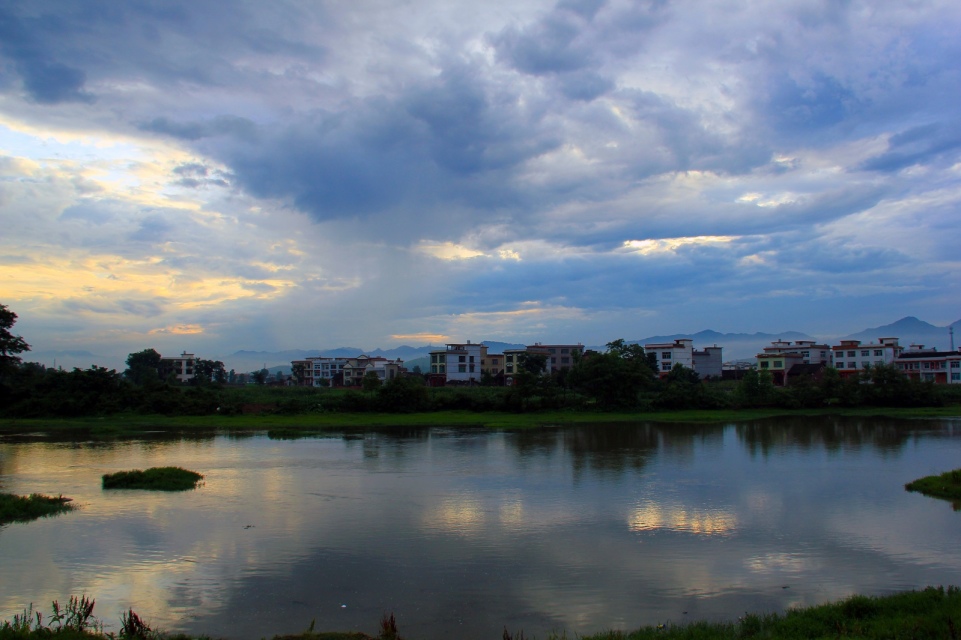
(133, 626)
(154, 479)
(14, 508)
(947, 485)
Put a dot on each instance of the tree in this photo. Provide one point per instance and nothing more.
(533, 363)
(614, 378)
(297, 370)
(207, 371)
(10, 345)
(143, 367)
(371, 381)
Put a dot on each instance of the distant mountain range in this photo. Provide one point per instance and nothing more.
(743, 346)
(737, 346)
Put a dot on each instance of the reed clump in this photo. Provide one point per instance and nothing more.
(14, 508)
(947, 485)
(153, 479)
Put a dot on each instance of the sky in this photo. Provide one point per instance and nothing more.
(211, 176)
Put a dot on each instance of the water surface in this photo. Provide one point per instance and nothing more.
(462, 532)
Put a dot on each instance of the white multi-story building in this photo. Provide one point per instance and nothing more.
(851, 356)
(459, 362)
(321, 371)
(672, 353)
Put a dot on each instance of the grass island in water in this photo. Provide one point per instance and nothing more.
(14, 508)
(154, 479)
(947, 485)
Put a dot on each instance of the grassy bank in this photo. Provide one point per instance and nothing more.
(123, 424)
(14, 508)
(153, 479)
(947, 485)
(921, 615)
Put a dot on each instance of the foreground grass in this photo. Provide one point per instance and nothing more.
(154, 479)
(947, 485)
(920, 615)
(931, 613)
(132, 424)
(14, 508)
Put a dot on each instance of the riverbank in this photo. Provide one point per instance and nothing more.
(929, 613)
(130, 424)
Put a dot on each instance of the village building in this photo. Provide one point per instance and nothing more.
(851, 357)
(784, 359)
(930, 365)
(181, 367)
(458, 363)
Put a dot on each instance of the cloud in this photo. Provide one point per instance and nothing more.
(575, 168)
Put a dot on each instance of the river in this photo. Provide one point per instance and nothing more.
(463, 532)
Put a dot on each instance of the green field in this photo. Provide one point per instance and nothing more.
(129, 424)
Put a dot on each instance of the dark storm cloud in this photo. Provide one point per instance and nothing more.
(58, 47)
(817, 103)
(919, 145)
(454, 138)
(45, 79)
(223, 125)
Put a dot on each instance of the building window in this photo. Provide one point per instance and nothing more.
(508, 358)
(865, 352)
(462, 368)
(509, 368)
(666, 366)
(955, 376)
(956, 364)
(666, 355)
(764, 364)
(852, 354)
(565, 360)
(879, 352)
(461, 358)
(565, 351)
(778, 364)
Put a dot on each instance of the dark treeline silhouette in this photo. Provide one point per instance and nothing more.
(596, 382)
(621, 378)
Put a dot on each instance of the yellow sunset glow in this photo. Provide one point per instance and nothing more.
(702, 522)
(448, 251)
(666, 245)
(68, 277)
(430, 338)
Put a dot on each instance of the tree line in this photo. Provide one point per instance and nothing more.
(623, 377)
